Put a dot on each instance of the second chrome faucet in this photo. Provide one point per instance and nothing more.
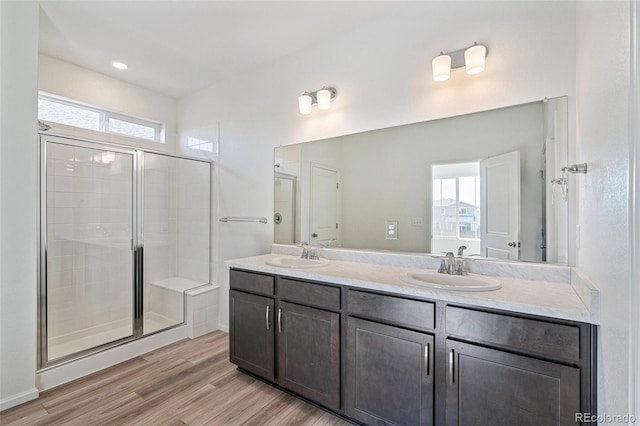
(452, 266)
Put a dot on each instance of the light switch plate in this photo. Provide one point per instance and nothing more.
(391, 229)
(417, 221)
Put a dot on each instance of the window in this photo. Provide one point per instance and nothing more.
(71, 113)
(202, 145)
(456, 205)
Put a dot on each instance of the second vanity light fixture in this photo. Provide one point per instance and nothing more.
(472, 58)
(322, 98)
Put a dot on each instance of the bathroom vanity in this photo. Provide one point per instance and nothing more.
(358, 341)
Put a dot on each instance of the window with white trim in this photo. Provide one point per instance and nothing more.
(66, 111)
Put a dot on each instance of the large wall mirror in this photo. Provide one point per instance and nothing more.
(482, 181)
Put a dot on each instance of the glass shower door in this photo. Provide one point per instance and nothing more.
(89, 231)
(175, 234)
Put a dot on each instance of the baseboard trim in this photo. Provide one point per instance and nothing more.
(19, 398)
(58, 375)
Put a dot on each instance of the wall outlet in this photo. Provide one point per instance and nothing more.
(391, 229)
(417, 221)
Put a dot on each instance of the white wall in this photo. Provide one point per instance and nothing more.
(634, 190)
(18, 183)
(382, 73)
(71, 81)
(603, 139)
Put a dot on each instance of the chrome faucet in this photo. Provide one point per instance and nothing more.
(329, 243)
(308, 252)
(452, 266)
(461, 249)
(305, 249)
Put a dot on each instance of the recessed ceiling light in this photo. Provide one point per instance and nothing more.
(119, 65)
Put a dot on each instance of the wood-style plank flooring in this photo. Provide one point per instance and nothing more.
(189, 382)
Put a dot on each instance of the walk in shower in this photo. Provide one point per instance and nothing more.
(124, 233)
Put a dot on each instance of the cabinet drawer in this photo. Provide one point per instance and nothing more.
(251, 282)
(318, 295)
(522, 334)
(393, 310)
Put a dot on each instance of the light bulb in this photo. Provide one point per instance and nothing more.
(324, 98)
(304, 104)
(441, 66)
(474, 58)
(119, 65)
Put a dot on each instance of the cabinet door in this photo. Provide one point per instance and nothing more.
(251, 333)
(491, 387)
(389, 374)
(309, 353)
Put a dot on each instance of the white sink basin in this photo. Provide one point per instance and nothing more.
(296, 263)
(469, 282)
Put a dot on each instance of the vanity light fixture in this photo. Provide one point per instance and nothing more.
(321, 98)
(471, 58)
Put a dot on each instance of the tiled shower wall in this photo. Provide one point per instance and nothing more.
(193, 221)
(176, 221)
(159, 212)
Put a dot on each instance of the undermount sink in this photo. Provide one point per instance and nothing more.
(296, 263)
(469, 282)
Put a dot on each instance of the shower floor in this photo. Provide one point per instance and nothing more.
(86, 339)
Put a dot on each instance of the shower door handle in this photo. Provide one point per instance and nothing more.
(138, 254)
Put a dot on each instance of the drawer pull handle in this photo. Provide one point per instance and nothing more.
(427, 349)
(280, 320)
(451, 360)
(267, 317)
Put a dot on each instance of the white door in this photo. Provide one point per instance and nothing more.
(284, 196)
(323, 224)
(500, 206)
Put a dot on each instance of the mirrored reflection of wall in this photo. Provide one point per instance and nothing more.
(386, 175)
(556, 155)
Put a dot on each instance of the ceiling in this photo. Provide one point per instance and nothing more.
(180, 47)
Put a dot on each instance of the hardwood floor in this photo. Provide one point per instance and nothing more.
(189, 382)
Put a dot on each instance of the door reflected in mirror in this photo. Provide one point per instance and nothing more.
(480, 180)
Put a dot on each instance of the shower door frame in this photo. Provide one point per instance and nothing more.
(137, 240)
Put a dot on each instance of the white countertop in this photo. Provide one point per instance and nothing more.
(544, 298)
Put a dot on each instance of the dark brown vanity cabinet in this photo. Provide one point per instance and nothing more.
(492, 387)
(389, 359)
(251, 333)
(401, 360)
(309, 353)
(511, 370)
(389, 374)
(291, 338)
(251, 322)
